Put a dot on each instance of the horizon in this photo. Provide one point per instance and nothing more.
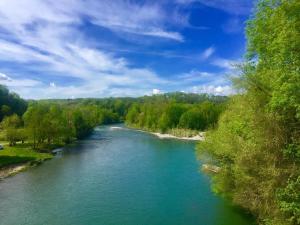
(123, 97)
(99, 49)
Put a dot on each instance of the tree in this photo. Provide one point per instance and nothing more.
(256, 142)
(5, 110)
(34, 121)
(132, 114)
(11, 103)
(173, 113)
(11, 124)
(193, 119)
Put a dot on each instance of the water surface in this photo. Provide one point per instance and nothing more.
(116, 177)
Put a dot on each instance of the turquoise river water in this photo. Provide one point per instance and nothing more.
(116, 176)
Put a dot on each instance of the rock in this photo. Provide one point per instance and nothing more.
(211, 168)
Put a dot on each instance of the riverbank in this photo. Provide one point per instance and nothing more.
(14, 159)
(18, 158)
(12, 170)
(199, 137)
(173, 134)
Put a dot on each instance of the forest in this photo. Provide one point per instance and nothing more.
(173, 117)
(43, 125)
(257, 140)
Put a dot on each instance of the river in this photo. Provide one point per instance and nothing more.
(116, 176)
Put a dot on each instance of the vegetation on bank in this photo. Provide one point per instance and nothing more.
(257, 140)
(21, 153)
(31, 134)
(179, 119)
(47, 124)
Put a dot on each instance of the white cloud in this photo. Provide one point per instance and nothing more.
(195, 75)
(214, 90)
(44, 36)
(17, 83)
(160, 33)
(236, 7)
(225, 63)
(52, 84)
(156, 91)
(118, 15)
(145, 19)
(4, 77)
(207, 53)
(233, 25)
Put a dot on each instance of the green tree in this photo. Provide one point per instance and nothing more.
(34, 121)
(289, 198)
(11, 124)
(11, 103)
(193, 119)
(5, 110)
(257, 140)
(173, 113)
(81, 124)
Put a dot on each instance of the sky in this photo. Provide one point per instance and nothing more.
(101, 48)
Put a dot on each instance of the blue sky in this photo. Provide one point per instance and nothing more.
(100, 48)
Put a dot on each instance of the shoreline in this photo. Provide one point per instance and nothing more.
(15, 168)
(199, 137)
(12, 170)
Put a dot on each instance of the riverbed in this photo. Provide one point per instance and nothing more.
(117, 177)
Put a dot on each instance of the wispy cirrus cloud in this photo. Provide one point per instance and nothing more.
(236, 7)
(4, 77)
(118, 16)
(207, 53)
(17, 83)
(214, 90)
(46, 50)
(144, 18)
(227, 64)
(45, 37)
(233, 25)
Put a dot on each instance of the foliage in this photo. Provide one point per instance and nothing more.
(11, 125)
(21, 153)
(163, 114)
(10, 103)
(52, 123)
(257, 139)
(57, 122)
(289, 200)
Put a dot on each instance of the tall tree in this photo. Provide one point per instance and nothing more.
(11, 125)
(11, 103)
(257, 139)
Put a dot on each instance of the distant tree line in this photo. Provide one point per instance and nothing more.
(164, 115)
(48, 123)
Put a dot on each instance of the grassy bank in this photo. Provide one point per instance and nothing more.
(21, 153)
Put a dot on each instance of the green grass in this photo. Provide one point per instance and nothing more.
(19, 154)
